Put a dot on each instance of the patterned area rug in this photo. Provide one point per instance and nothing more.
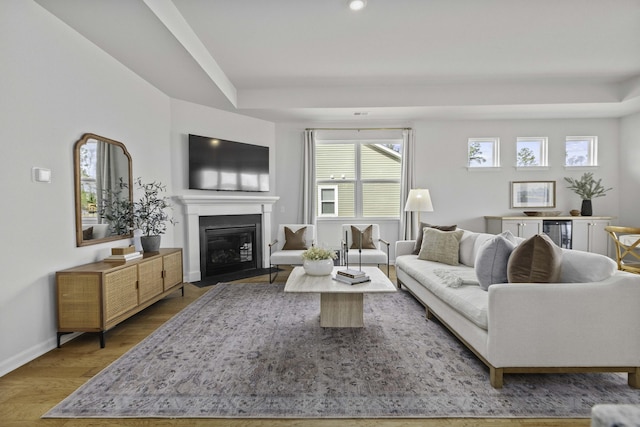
(251, 350)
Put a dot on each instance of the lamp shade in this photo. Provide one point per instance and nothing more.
(419, 200)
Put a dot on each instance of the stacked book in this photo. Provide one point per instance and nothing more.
(123, 254)
(353, 277)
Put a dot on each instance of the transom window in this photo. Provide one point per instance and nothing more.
(581, 151)
(484, 153)
(531, 152)
(358, 178)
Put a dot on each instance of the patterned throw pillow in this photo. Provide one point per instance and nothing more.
(294, 240)
(365, 235)
(536, 260)
(440, 246)
(418, 245)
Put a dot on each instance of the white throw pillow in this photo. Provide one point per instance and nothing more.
(467, 255)
(491, 261)
(584, 267)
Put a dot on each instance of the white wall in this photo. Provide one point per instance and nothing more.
(630, 171)
(462, 197)
(56, 86)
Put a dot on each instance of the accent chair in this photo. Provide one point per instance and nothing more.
(291, 241)
(374, 250)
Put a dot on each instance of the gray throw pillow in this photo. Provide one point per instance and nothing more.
(440, 246)
(491, 261)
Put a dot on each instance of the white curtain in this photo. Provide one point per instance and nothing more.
(407, 219)
(309, 178)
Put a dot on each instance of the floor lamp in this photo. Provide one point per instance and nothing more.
(419, 200)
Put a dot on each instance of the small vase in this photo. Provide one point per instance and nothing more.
(150, 243)
(586, 209)
(321, 267)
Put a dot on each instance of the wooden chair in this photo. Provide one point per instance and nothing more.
(279, 255)
(627, 241)
(352, 254)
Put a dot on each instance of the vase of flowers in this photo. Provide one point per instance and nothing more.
(318, 261)
(588, 188)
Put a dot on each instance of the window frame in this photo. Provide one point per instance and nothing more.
(495, 141)
(358, 181)
(543, 152)
(592, 151)
(333, 187)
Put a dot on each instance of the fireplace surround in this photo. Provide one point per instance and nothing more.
(197, 206)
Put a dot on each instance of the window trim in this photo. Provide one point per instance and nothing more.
(495, 141)
(544, 152)
(357, 180)
(592, 150)
(333, 187)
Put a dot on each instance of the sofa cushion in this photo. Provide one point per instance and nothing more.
(491, 261)
(440, 246)
(536, 260)
(418, 245)
(363, 237)
(583, 267)
(294, 240)
(470, 301)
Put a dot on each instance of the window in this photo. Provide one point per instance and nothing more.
(327, 200)
(484, 153)
(581, 151)
(531, 152)
(358, 178)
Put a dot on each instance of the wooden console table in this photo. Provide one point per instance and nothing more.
(96, 297)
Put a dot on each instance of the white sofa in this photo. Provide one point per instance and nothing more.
(589, 326)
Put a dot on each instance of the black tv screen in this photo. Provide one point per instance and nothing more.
(218, 164)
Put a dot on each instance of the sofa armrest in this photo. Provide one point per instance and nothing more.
(404, 247)
(565, 324)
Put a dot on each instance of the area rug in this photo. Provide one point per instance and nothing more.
(250, 350)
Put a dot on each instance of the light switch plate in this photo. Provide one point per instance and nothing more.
(41, 174)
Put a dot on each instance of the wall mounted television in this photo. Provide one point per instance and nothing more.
(218, 164)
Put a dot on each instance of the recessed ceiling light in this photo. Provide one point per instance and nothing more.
(357, 4)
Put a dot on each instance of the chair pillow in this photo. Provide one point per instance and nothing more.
(365, 236)
(491, 261)
(440, 246)
(536, 260)
(418, 245)
(294, 240)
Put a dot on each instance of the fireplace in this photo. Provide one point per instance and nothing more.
(199, 206)
(229, 243)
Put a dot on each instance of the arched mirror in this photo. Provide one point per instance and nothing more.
(103, 192)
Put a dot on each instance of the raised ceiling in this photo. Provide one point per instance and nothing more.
(396, 60)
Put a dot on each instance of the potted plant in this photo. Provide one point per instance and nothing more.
(149, 214)
(587, 187)
(318, 261)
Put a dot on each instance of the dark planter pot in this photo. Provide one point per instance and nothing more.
(587, 209)
(150, 243)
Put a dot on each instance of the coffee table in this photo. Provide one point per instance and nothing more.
(341, 304)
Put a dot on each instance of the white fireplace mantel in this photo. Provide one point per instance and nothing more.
(196, 206)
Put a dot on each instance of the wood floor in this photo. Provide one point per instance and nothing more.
(33, 389)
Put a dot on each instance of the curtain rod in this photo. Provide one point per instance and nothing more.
(358, 129)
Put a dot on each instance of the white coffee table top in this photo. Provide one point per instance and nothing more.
(298, 281)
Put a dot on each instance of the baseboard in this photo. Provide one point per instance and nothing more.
(32, 353)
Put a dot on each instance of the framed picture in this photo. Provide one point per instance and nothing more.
(533, 194)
